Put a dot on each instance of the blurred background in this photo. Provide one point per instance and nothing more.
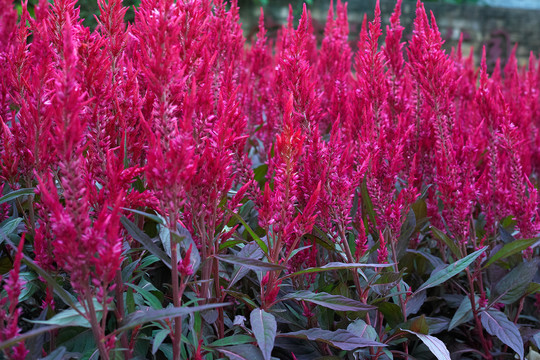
(496, 24)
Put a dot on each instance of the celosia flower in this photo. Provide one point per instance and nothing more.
(9, 311)
(382, 251)
(184, 266)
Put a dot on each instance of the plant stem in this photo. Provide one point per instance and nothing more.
(120, 313)
(177, 334)
(356, 277)
(402, 303)
(479, 327)
(217, 286)
(96, 329)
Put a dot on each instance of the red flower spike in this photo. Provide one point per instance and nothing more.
(361, 242)
(382, 251)
(9, 328)
(184, 267)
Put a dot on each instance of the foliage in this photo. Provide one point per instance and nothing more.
(169, 191)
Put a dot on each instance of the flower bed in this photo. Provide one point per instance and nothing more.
(169, 191)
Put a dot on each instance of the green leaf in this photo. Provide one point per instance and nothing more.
(497, 324)
(72, 317)
(159, 337)
(242, 297)
(255, 237)
(232, 340)
(260, 174)
(230, 243)
(165, 238)
(514, 285)
(341, 339)
(463, 313)
(57, 354)
(321, 238)
(361, 329)
(392, 313)
(510, 249)
(296, 251)
(152, 217)
(150, 298)
(264, 327)
(145, 241)
(435, 345)
(16, 194)
(533, 288)
(58, 290)
(144, 316)
(27, 335)
(336, 266)
(250, 250)
(334, 302)
(407, 229)
(253, 264)
(414, 303)
(505, 235)
(242, 352)
(183, 238)
(451, 270)
(420, 211)
(367, 203)
(9, 227)
(418, 325)
(449, 242)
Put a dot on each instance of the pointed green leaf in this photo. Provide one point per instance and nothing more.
(57, 354)
(232, 340)
(510, 249)
(152, 217)
(27, 335)
(392, 313)
(334, 302)
(514, 284)
(497, 324)
(16, 194)
(449, 242)
(58, 290)
(230, 243)
(360, 328)
(253, 264)
(72, 317)
(533, 288)
(296, 251)
(341, 339)
(159, 337)
(150, 298)
(144, 316)
(451, 270)
(242, 352)
(435, 345)
(463, 313)
(336, 266)
(9, 227)
(264, 327)
(145, 241)
(367, 204)
(407, 229)
(255, 237)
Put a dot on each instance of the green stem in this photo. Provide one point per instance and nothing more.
(177, 334)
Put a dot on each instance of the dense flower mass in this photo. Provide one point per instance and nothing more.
(168, 180)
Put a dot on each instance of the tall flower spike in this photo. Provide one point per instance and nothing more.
(361, 242)
(382, 251)
(393, 49)
(9, 327)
